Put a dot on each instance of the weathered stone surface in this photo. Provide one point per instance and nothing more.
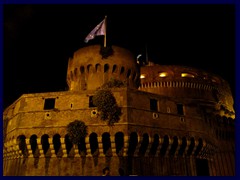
(149, 139)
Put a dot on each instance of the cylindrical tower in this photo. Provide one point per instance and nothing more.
(179, 123)
(88, 70)
(187, 82)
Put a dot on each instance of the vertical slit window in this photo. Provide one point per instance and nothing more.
(91, 102)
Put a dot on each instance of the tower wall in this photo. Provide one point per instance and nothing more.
(187, 82)
(88, 70)
(180, 122)
(157, 142)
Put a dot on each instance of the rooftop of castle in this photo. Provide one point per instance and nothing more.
(94, 54)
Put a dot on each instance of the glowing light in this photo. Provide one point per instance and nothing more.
(187, 75)
(139, 56)
(142, 76)
(163, 74)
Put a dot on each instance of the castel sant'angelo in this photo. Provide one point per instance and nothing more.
(168, 121)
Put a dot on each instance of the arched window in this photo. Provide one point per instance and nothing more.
(57, 144)
(90, 68)
(93, 143)
(191, 146)
(34, 146)
(133, 141)
(199, 147)
(22, 145)
(119, 141)
(68, 144)
(164, 145)
(45, 143)
(75, 72)
(98, 68)
(106, 144)
(183, 146)
(174, 146)
(114, 70)
(82, 147)
(155, 144)
(82, 69)
(106, 68)
(144, 145)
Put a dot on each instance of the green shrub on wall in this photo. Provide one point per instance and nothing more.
(113, 83)
(76, 130)
(106, 102)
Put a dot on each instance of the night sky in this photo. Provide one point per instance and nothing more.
(39, 39)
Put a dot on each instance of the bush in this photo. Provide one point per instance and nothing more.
(76, 130)
(113, 83)
(106, 102)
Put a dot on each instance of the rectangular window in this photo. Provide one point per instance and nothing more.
(180, 109)
(91, 102)
(153, 105)
(49, 103)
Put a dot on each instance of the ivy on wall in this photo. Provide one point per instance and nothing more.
(113, 83)
(76, 130)
(106, 102)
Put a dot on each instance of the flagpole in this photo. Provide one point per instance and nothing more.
(146, 54)
(105, 36)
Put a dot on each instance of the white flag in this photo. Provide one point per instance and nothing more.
(99, 30)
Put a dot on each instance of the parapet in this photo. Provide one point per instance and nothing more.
(186, 82)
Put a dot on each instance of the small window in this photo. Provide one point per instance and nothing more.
(91, 102)
(163, 74)
(187, 75)
(142, 76)
(153, 105)
(214, 80)
(180, 109)
(49, 103)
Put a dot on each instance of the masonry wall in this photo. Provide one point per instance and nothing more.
(157, 142)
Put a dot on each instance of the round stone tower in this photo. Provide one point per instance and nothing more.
(187, 82)
(88, 70)
(178, 122)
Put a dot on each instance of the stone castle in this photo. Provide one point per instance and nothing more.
(176, 121)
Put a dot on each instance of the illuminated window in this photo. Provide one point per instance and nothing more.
(163, 74)
(214, 80)
(142, 76)
(187, 75)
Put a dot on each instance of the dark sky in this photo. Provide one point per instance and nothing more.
(39, 39)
